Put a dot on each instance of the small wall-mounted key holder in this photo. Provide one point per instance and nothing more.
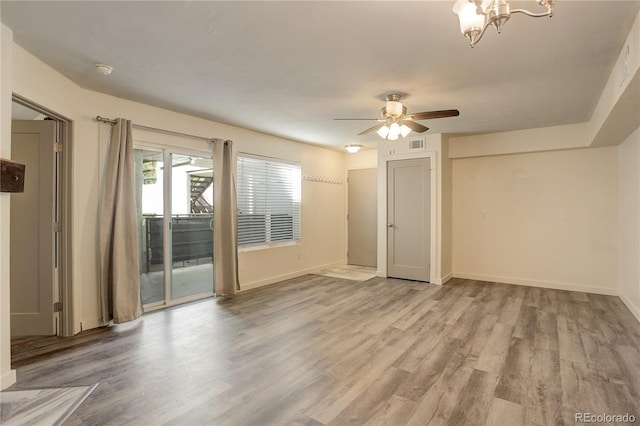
(11, 176)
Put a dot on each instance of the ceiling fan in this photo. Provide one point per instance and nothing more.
(395, 121)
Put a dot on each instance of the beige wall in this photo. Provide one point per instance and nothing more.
(364, 159)
(529, 140)
(607, 245)
(629, 159)
(322, 211)
(7, 375)
(546, 219)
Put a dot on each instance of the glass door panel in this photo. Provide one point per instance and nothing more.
(192, 266)
(149, 182)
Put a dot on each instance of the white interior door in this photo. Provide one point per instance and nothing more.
(409, 219)
(362, 217)
(32, 233)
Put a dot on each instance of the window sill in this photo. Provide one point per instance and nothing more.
(267, 246)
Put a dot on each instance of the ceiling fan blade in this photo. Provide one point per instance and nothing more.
(416, 127)
(434, 114)
(367, 119)
(371, 129)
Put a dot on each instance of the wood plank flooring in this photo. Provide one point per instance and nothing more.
(325, 351)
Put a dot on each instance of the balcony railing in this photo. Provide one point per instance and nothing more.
(191, 238)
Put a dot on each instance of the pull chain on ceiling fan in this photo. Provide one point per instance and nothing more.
(395, 121)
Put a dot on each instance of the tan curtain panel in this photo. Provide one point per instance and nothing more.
(225, 217)
(120, 279)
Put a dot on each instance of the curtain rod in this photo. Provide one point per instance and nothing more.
(155, 129)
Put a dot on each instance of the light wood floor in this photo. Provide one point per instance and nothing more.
(318, 350)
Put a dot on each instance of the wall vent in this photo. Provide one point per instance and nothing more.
(416, 144)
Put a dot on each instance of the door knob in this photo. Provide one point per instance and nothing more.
(389, 225)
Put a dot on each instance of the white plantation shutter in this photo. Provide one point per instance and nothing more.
(269, 195)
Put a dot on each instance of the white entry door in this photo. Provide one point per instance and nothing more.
(32, 233)
(409, 219)
(363, 217)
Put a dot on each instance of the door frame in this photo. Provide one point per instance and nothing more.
(383, 205)
(65, 202)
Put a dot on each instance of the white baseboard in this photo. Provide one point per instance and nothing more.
(536, 283)
(635, 310)
(87, 325)
(7, 379)
(436, 281)
(443, 280)
(288, 276)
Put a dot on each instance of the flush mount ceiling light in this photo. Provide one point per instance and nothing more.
(353, 148)
(104, 69)
(476, 15)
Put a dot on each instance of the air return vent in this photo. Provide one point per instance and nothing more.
(416, 144)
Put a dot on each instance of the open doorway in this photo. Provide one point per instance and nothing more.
(40, 267)
(362, 234)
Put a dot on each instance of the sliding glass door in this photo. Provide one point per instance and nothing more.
(191, 226)
(175, 212)
(150, 202)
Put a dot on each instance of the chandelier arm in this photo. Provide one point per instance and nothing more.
(479, 37)
(549, 12)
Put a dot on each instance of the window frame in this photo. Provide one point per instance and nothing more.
(297, 208)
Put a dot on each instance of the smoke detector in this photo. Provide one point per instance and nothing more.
(104, 69)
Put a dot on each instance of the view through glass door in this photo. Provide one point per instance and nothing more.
(191, 226)
(175, 212)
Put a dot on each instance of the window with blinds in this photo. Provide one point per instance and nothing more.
(269, 195)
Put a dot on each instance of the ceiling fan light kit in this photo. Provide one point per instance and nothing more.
(383, 132)
(476, 15)
(393, 106)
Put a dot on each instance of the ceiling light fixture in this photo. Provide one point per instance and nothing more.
(383, 131)
(393, 129)
(104, 69)
(476, 15)
(353, 148)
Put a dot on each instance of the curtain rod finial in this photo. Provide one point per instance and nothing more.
(105, 120)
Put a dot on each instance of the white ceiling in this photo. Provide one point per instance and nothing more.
(288, 68)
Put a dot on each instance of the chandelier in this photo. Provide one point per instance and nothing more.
(476, 15)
